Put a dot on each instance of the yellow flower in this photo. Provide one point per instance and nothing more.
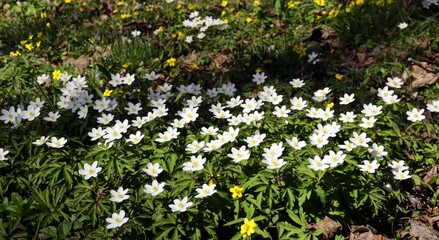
(320, 2)
(236, 192)
(38, 44)
(43, 15)
(248, 19)
(56, 75)
(223, 13)
(107, 92)
(333, 13)
(256, 2)
(119, 3)
(330, 105)
(258, 70)
(213, 180)
(194, 65)
(22, 42)
(161, 28)
(339, 76)
(29, 46)
(224, 3)
(292, 4)
(226, 21)
(300, 50)
(15, 54)
(125, 15)
(67, 1)
(39, 34)
(48, 25)
(178, 6)
(248, 228)
(126, 65)
(171, 62)
(180, 35)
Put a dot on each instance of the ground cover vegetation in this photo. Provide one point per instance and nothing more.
(261, 119)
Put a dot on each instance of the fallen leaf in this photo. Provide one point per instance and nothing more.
(329, 227)
(419, 76)
(422, 230)
(361, 56)
(79, 63)
(219, 60)
(433, 172)
(191, 59)
(365, 233)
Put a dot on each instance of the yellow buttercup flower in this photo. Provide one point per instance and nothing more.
(107, 92)
(15, 54)
(43, 15)
(300, 50)
(56, 75)
(258, 70)
(236, 192)
(292, 4)
(171, 62)
(125, 15)
(249, 19)
(29, 46)
(330, 105)
(339, 76)
(256, 2)
(38, 44)
(320, 2)
(248, 228)
(67, 1)
(126, 65)
(224, 3)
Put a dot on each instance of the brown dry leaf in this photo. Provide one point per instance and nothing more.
(327, 32)
(422, 230)
(430, 174)
(420, 76)
(329, 226)
(219, 60)
(363, 59)
(79, 63)
(365, 233)
(192, 58)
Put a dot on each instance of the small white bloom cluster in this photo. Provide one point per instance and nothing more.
(427, 3)
(201, 24)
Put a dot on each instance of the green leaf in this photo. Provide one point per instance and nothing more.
(49, 232)
(278, 6)
(239, 220)
(64, 229)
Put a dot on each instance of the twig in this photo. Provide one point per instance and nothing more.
(424, 65)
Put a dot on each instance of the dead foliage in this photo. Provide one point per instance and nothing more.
(420, 74)
(329, 227)
(365, 233)
(422, 227)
